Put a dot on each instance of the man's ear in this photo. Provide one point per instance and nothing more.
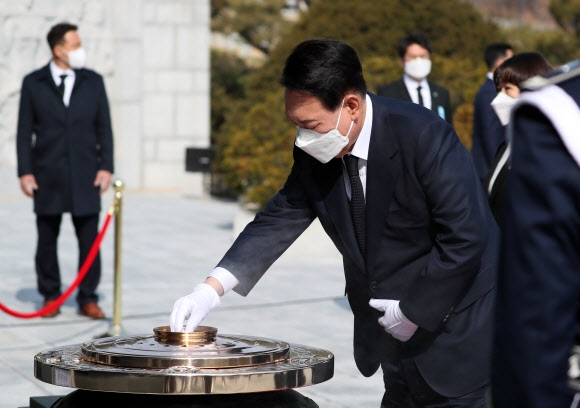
(58, 51)
(353, 104)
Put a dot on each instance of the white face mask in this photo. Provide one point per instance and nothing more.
(418, 68)
(502, 105)
(322, 146)
(77, 58)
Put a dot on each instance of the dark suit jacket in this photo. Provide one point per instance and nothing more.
(70, 144)
(496, 197)
(439, 97)
(428, 225)
(488, 133)
(539, 279)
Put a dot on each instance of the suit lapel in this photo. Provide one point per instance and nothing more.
(403, 91)
(383, 169)
(56, 105)
(46, 76)
(330, 181)
(80, 76)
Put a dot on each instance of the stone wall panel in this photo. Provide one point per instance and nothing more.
(178, 81)
(129, 145)
(172, 150)
(126, 83)
(189, 54)
(159, 47)
(158, 111)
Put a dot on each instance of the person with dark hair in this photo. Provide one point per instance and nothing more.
(415, 58)
(508, 78)
(487, 135)
(537, 305)
(65, 159)
(396, 191)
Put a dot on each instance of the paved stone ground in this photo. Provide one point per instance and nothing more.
(170, 243)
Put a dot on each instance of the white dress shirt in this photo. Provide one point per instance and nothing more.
(69, 81)
(412, 85)
(361, 150)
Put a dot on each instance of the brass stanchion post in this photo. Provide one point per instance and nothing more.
(115, 329)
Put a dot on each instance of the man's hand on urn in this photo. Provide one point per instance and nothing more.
(195, 306)
(28, 184)
(394, 321)
(103, 179)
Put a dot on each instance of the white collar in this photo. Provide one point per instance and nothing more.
(361, 146)
(412, 84)
(57, 71)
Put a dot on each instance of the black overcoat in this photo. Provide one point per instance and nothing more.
(64, 147)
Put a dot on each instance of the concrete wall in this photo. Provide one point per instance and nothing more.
(154, 55)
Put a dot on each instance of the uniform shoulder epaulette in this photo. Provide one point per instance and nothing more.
(560, 74)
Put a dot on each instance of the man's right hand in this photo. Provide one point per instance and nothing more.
(28, 184)
(194, 307)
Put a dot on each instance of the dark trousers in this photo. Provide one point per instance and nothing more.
(47, 269)
(406, 388)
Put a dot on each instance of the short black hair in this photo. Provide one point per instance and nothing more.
(56, 34)
(416, 37)
(495, 51)
(327, 69)
(520, 68)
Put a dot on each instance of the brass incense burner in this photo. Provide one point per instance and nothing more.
(200, 362)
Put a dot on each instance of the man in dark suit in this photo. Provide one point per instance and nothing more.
(539, 278)
(488, 133)
(396, 192)
(65, 159)
(415, 58)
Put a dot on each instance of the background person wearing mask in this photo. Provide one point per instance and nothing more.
(415, 58)
(65, 159)
(508, 78)
(397, 193)
(487, 136)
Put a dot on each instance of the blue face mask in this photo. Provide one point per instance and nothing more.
(322, 146)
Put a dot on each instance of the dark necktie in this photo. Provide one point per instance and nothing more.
(420, 97)
(61, 86)
(357, 201)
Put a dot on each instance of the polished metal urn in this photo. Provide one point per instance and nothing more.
(176, 363)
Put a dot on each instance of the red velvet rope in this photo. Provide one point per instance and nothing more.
(80, 276)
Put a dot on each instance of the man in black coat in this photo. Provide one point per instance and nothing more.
(488, 132)
(65, 159)
(415, 58)
(398, 195)
(539, 278)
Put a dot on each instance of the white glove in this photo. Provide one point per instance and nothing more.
(394, 321)
(194, 307)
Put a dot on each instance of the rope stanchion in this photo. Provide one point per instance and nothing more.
(116, 329)
(80, 276)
